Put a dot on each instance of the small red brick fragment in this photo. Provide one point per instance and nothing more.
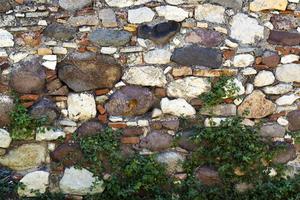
(101, 109)
(117, 125)
(29, 97)
(101, 92)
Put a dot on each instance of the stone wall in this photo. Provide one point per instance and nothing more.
(139, 66)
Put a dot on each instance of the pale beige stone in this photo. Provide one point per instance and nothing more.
(259, 5)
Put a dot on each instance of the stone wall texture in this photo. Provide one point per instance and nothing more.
(139, 66)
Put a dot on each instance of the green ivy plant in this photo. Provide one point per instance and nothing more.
(22, 125)
(224, 87)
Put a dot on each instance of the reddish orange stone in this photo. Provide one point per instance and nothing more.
(29, 97)
(101, 109)
(130, 140)
(101, 92)
(117, 125)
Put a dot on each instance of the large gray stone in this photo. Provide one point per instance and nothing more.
(130, 101)
(59, 31)
(195, 55)
(28, 76)
(157, 141)
(235, 4)
(272, 130)
(108, 37)
(87, 71)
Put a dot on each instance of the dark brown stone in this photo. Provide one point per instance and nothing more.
(89, 128)
(133, 131)
(172, 124)
(294, 120)
(271, 59)
(284, 38)
(28, 76)
(207, 175)
(130, 101)
(157, 141)
(88, 71)
(68, 154)
(185, 141)
(285, 154)
(205, 37)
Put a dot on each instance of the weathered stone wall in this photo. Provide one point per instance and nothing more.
(139, 65)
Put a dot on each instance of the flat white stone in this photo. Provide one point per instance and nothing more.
(243, 60)
(177, 107)
(249, 71)
(17, 57)
(49, 135)
(50, 57)
(50, 64)
(146, 76)
(172, 13)
(249, 88)
(140, 15)
(264, 78)
(231, 44)
(282, 121)
(158, 56)
(289, 58)
(175, 2)
(34, 182)
(210, 12)
(280, 88)
(80, 182)
(7, 39)
(245, 29)
(5, 139)
(60, 50)
(108, 50)
(81, 106)
(156, 112)
(288, 73)
(188, 88)
(287, 99)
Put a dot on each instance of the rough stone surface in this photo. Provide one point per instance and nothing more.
(241, 24)
(210, 12)
(45, 108)
(5, 6)
(89, 20)
(157, 56)
(49, 134)
(172, 13)
(196, 55)
(285, 155)
(288, 73)
(5, 139)
(264, 78)
(89, 128)
(6, 38)
(156, 141)
(259, 5)
(294, 120)
(28, 76)
(73, 5)
(108, 17)
(81, 107)
(189, 87)
(205, 37)
(59, 31)
(284, 22)
(34, 182)
(280, 88)
(177, 107)
(243, 60)
(67, 153)
(220, 110)
(130, 101)
(207, 176)
(25, 157)
(140, 15)
(160, 33)
(256, 106)
(108, 37)
(172, 160)
(284, 38)
(6, 106)
(272, 130)
(152, 76)
(287, 99)
(80, 182)
(85, 71)
(235, 4)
